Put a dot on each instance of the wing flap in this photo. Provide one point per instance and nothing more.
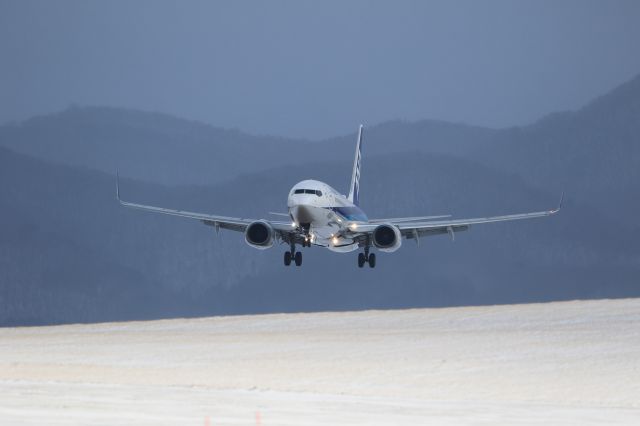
(466, 222)
(222, 221)
(408, 219)
(412, 227)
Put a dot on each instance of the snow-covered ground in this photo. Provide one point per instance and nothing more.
(555, 363)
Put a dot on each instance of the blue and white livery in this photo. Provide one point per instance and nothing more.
(320, 216)
(354, 189)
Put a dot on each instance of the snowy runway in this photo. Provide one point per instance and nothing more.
(556, 363)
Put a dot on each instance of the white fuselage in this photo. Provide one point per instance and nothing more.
(325, 213)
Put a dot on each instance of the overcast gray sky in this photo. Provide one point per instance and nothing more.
(316, 69)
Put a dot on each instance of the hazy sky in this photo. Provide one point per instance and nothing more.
(316, 69)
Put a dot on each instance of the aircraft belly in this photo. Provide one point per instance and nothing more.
(343, 248)
(324, 226)
(324, 237)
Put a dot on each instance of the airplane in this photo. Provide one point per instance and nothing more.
(320, 216)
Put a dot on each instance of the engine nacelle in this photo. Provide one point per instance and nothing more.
(259, 234)
(387, 237)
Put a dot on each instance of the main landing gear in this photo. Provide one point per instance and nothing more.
(294, 255)
(366, 258)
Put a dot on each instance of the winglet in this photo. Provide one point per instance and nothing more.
(118, 186)
(557, 209)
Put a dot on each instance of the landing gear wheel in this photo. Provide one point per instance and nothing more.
(298, 258)
(361, 260)
(287, 258)
(372, 260)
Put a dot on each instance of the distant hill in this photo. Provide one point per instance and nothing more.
(148, 146)
(163, 149)
(594, 153)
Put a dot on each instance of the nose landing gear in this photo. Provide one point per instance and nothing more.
(306, 232)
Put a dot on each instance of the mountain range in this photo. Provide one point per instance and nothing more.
(70, 253)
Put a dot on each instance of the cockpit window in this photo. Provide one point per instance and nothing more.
(308, 191)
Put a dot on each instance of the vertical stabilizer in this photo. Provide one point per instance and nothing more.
(354, 189)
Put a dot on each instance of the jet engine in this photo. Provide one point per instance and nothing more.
(259, 234)
(387, 237)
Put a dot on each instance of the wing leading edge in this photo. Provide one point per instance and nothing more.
(224, 222)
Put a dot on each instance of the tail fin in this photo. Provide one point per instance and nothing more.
(354, 189)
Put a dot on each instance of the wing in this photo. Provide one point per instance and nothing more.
(408, 219)
(415, 228)
(224, 222)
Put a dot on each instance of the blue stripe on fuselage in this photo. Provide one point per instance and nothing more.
(353, 213)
